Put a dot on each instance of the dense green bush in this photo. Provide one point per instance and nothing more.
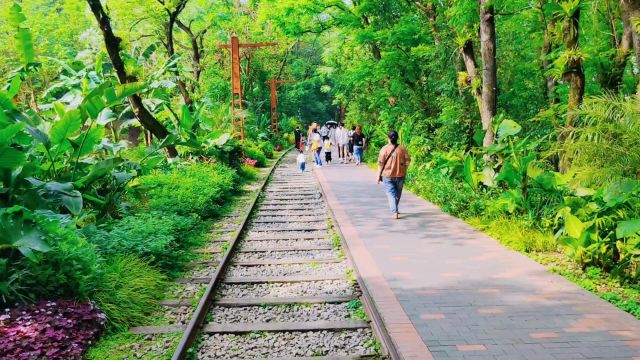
(452, 196)
(517, 234)
(195, 189)
(68, 269)
(267, 149)
(129, 290)
(160, 238)
(254, 153)
(602, 228)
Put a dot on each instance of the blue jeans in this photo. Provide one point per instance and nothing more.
(393, 187)
(317, 158)
(357, 153)
(302, 167)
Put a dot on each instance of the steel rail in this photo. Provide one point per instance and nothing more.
(198, 317)
(388, 346)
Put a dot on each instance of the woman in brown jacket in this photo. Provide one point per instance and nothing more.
(393, 161)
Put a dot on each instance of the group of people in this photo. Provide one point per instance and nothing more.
(349, 143)
(393, 159)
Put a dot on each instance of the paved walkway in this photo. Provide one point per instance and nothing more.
(440, 283)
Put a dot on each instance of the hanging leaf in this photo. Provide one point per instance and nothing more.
(20, 235)
(11, 158)
(510, 175)
(66, 127)
(24, 40)
(89, 140)
(56, 194)
(222, 140)
(508, 128)
(469, 172)
(627, 228)
(573, 225)
(186, 120)
(106, 116)
(98, 170)
(8, 133)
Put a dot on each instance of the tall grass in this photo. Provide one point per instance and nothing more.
(130, 290)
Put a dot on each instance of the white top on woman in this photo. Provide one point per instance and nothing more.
(342, 136)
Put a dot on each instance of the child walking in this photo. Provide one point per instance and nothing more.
(301, 160)
(327, 150)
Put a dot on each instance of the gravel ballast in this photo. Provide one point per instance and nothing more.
(287, 234)
(291, 313)
(278, 255)
(285, 344)
(287, 270)
(268, 244)
(305, 288)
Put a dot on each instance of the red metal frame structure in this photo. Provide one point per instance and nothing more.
(273, 84)
(236, 85)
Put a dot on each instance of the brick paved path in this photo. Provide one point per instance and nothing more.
(440, 283)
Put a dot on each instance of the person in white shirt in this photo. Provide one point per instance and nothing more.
(342, 138)
(301, 161)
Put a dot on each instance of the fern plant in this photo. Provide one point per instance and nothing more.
(601, 145)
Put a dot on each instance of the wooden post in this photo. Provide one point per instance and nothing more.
(273, 84)
(236, 89)
(274, 106)
(236, 85)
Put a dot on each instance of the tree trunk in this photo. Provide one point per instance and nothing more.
(469, 58)
(547, 64)
(375, 49)
(632, 7)
(489, 69)
(171, 51)
(550, 82)
(112, 44)
(624, 45)
(574, 74)
(196, 51)
(429, 9)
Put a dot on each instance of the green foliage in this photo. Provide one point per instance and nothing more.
(602, 229)
(267, 149)
(255, 153)
(129, 291)
(126, 345)
(69, 269)
(357, 311)
(161, 238)
(194, 189)
(517, 234)
(452, 196)
(609, 127)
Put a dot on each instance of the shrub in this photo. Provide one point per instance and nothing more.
(248, 172)
(49, 330)
(67, 270)
(452, 196)
(256, 154)
(196, 189)
(159, 238)
(516, 234)
(267, 149)
(129, 291)
(602, 228)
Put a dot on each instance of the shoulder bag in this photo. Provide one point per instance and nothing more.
(384, 164)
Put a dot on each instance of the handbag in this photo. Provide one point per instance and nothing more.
(384, 164)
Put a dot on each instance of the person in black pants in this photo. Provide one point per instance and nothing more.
(297, 134)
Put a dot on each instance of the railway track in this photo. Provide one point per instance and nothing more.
(277, 285)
